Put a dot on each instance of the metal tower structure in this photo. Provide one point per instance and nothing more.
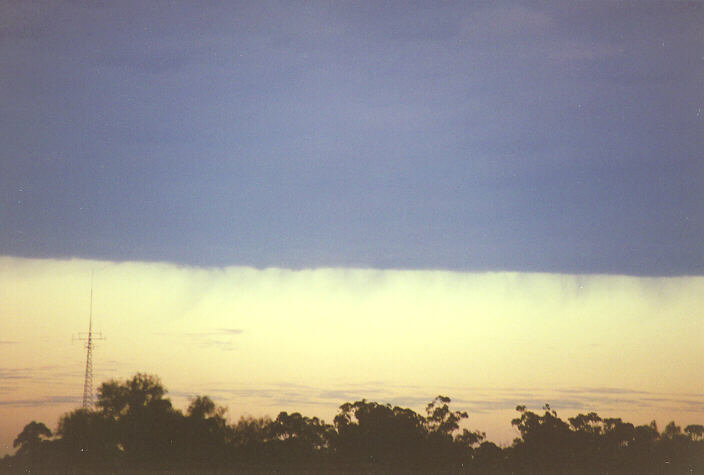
(89, 338)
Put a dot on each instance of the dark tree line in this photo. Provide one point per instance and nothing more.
(134, 427)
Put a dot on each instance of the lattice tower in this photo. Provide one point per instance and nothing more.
(89, 338)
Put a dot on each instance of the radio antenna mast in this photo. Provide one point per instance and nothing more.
(89, 338)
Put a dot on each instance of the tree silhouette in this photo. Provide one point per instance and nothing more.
(143, 391)
(300, 441)
(489, 457)
(672, 431)
(642, 447)
(205, 434)
(695, 431)
(89, 440)
(31, 438)
(445, 448)
(615, 443)
(135, 429)
(33, 447)
(145, 422)
(586, 440)
(375, 436)
(249, 439)
(545, 440)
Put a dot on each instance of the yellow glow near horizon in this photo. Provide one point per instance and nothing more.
(243, 334)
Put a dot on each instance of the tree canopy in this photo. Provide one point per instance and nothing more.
(134, 427)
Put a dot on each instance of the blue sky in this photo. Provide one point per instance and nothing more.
(542, 137)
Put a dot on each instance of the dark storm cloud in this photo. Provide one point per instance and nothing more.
(551, 137)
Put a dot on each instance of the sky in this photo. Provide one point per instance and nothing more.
(478, 161)
(261, 341)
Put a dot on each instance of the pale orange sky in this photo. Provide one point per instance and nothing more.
(261, 341)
